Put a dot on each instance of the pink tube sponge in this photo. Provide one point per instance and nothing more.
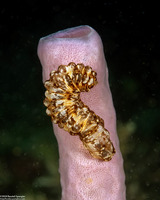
(82, 176)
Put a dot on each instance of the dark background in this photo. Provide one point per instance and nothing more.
(28, 150)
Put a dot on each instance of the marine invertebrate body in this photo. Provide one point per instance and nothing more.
(70, 113)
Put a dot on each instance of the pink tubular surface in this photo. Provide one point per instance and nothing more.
(82, 176)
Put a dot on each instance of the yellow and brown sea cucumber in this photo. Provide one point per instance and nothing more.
(70, 113)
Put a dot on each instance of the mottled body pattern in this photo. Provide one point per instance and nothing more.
(70, 113)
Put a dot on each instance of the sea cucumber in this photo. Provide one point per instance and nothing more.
(70, 113)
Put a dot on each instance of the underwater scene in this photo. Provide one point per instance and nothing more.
(29, 156)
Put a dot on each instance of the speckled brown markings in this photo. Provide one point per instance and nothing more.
(70, 113)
